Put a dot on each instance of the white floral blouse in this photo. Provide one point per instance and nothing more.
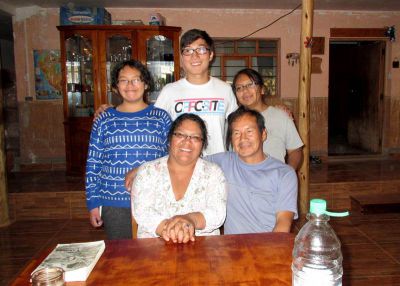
(153, 199)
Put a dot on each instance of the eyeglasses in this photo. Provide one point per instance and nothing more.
(199, 50)
(192, 138)
(134, 81)
(241, 88)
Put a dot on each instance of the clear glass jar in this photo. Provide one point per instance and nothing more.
(48, 277)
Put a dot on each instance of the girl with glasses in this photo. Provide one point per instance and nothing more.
(122, 138)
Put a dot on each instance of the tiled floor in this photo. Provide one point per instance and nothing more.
(355, 171)
(371, 248)
(37, 182)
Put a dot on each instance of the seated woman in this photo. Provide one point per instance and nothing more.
(180, 196)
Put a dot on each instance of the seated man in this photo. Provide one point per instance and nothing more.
(262, 191)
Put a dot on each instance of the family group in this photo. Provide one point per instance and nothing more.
(207, 154)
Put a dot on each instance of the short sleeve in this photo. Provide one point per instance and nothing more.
(288, 190)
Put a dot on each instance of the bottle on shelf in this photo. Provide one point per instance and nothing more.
(77, 96)
(317, 255)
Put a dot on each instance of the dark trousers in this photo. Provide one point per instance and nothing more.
(117, 222)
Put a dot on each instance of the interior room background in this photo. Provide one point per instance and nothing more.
(40, 122)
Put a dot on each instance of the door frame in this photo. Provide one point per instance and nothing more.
(368, 34)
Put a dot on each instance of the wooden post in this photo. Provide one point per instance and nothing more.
(4, 218)
(304, 101)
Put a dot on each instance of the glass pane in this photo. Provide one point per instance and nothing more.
(215, 69)
(79, 66)
(160, 62)
(232, 67)
(264, 61)
(266, 66)
(267, 47)
(246, 47)
(118, 49)
(224, 47)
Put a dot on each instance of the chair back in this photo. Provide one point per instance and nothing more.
(134, 228)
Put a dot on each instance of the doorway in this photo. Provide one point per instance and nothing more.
(8, 91)
(356, 71)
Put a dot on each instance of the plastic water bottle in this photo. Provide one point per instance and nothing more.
(317, 257)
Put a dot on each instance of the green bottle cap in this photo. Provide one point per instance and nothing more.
(318, 207)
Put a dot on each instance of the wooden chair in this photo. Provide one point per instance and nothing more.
(134, 228)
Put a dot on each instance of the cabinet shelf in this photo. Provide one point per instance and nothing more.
(88, 54)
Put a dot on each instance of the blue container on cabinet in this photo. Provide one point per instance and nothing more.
(84, 16)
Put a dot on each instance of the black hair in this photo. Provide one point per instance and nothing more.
(192, 117)
(194, 34)
(240, 112)
(145, 76)
(254, 76)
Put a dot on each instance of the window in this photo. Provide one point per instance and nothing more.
(261, 55)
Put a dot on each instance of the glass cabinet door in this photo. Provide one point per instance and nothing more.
(232, 65)
(160, 62)
(79, 76)
(118, 49)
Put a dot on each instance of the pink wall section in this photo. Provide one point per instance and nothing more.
(38, 31)
(237, 23)
(40, 122)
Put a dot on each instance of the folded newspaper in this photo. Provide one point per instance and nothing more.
(77, 259)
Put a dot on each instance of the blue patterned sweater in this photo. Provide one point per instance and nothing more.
(119, 142)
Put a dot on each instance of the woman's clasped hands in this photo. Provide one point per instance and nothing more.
(178, 229)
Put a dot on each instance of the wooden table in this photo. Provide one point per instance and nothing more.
(249, 259)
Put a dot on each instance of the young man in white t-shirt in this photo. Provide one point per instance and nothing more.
(199, 93)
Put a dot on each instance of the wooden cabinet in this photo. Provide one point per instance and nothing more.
(88, 56)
